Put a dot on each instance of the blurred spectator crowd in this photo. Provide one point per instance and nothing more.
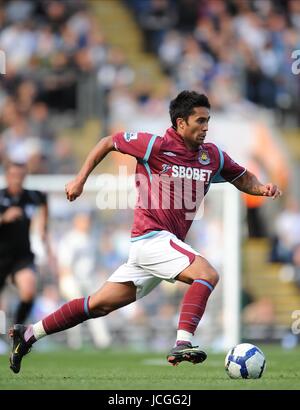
(52, 50)
(237, 51)
(228, 48)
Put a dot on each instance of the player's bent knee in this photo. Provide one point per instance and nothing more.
(214, 277)
(210, 275)
(99, 311)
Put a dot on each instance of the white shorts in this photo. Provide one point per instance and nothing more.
(160, 257)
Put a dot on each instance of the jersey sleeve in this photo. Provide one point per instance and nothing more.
(137, 144)
(231, 170)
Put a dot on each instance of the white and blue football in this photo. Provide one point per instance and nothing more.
(245, 361)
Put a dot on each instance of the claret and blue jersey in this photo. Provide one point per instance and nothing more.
(167, 156)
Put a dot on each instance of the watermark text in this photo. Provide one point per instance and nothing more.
(2, 62)
(158, 192)
(296, 324)
(2, 322)
(296, 63)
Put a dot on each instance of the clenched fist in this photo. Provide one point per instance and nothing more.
(73, 189)
(271, 190)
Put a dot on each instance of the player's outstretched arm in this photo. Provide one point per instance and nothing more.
(75, 187)
(249, 184)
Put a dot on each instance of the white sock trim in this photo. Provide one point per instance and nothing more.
(184, 335)
(38, 330)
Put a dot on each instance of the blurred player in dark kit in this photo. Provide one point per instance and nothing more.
(18, 206)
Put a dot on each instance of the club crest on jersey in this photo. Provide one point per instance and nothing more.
(204, 157)
(129, 136)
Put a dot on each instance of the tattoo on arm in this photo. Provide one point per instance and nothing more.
(249, 184)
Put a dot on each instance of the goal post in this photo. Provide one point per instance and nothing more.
(232, 265)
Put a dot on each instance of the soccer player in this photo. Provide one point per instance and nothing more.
(158, 251)
(17, 208)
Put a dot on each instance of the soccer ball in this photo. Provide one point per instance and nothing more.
(245, 361)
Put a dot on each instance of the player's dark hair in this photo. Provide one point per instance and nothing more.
(183, 105)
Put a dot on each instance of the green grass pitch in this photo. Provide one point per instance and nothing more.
(109, 370)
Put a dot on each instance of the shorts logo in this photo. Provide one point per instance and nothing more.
(204, 157)
(129, 136)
